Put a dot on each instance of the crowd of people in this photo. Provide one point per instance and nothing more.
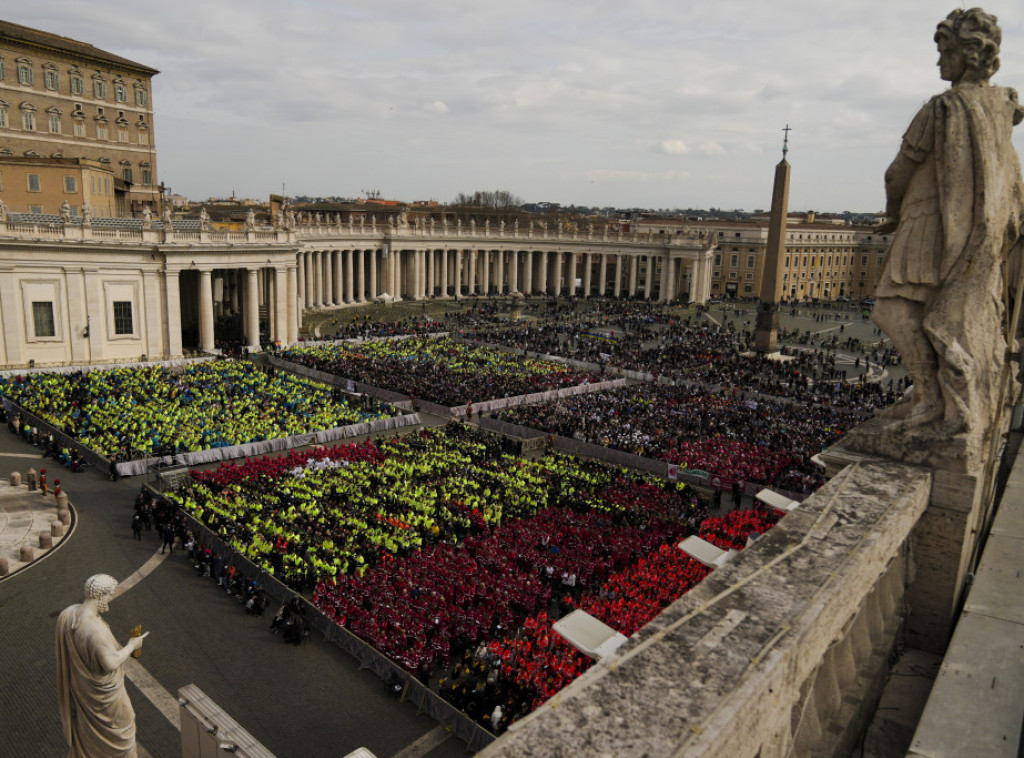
(439, 370)
(130, 413)
(769, 440)
(446, 551)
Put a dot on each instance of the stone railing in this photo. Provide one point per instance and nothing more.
(106, 234)
(78, 232)
(782, 651)
(304, 232)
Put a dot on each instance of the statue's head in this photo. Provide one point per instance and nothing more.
(100, 588)
(968, 44)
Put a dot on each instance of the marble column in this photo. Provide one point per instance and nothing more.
(252, 310)
(318, 281)
(373, 275)
(279, 290)
(206, 337)
(618, 275)
(527, 272)
(572, 274)
(649, 285)
(294, 312)
(360, 275)
(587, 266)
(172, 295)
(301, 278)
(634, 266)
(485, 271)
(602, 275)
(542, 269)
(329, 289)
(513, 272)
(666, 292)
(472, 271)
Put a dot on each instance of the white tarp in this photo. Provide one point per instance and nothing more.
(777, 501)
(588, 635)
(706, 553)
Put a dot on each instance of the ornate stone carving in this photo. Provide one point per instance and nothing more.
(955, 203)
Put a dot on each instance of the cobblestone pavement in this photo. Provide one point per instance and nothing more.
(306, 701)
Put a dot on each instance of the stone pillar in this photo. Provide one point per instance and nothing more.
(442, 271)
(618, 275)
(360, 275)
(342, 277)
(572, 274)
(206, 338)
(663, 296)
(634, 266)
(294, 309)
(419, 269)
(542, 270)
(318, 280)
(513, 272)
(649, 284)
(373, 275)
(172, 294)
(301, 278)
(432, 272)
(330, 271)
(280, 293)
(558, 274)
(602, 276)
(252, 310)
(587, 261)
(485, 271)
(527, 272)
(472, 270)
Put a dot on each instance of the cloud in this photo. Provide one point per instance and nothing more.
(674, 147)
(334, 97)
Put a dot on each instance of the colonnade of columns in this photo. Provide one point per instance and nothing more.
(246, 291)
(328, 278)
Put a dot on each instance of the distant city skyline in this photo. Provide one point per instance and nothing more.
(647, 104)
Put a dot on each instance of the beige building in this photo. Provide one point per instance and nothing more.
(822, 260)
(42, 185)
(65, 99)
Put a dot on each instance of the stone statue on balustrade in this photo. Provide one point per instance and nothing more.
(147, 218)
(204, 220)
(250, 220)
(165, 216)
(97, 717)
(65, 212)
(86, 214)
(951, 276)
(3, 212)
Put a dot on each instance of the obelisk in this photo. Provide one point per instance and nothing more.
(767, 333)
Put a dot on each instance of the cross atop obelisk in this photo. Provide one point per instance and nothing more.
(766, 334)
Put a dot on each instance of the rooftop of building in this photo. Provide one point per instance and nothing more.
(47, 41)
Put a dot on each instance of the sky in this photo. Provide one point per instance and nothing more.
(624, 103)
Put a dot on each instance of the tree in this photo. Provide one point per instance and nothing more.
(501, 200)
